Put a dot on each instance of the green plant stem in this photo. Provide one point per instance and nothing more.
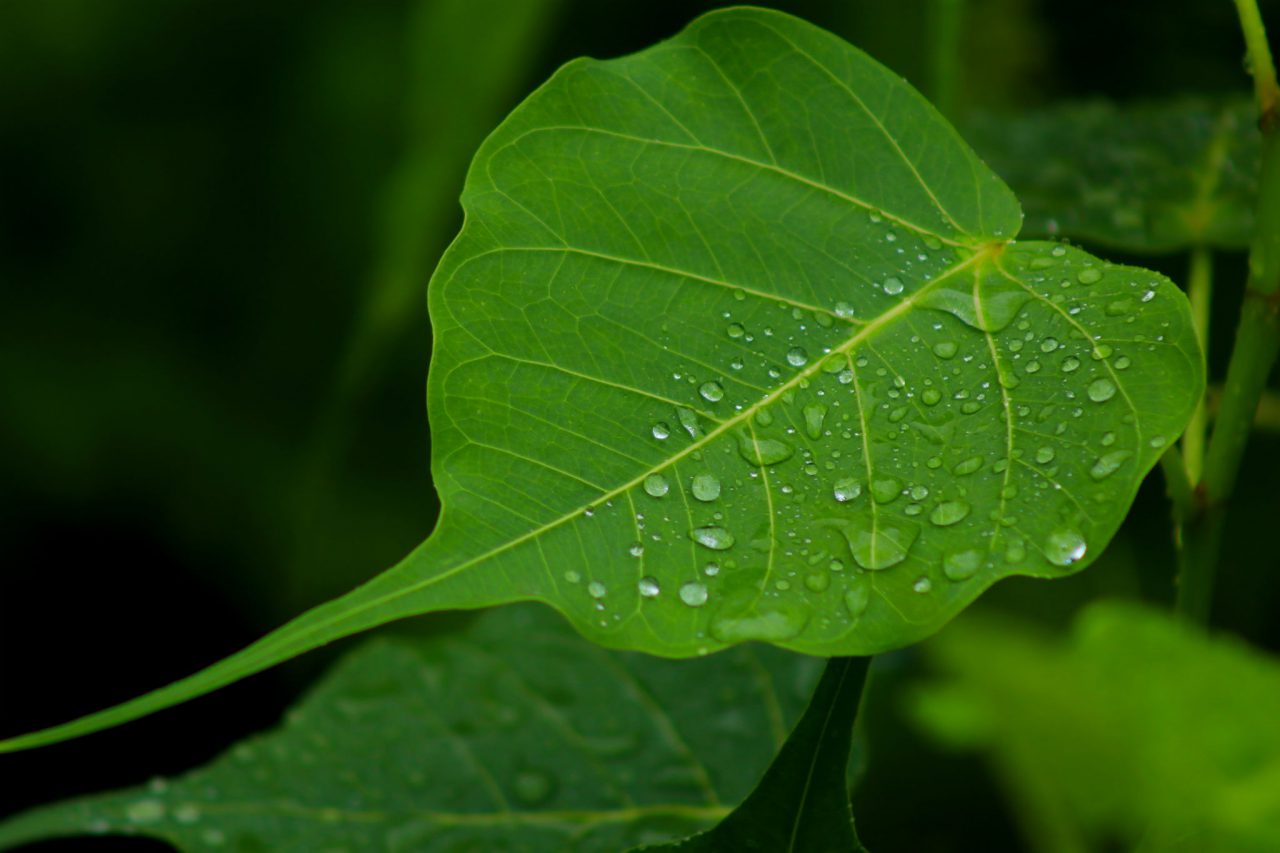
(1200, 292)
(1178, 485)
(945, 21)
(1256, 345)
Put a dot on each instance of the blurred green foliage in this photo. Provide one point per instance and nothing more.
(200, 201)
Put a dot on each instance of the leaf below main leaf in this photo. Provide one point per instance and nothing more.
(734, 345)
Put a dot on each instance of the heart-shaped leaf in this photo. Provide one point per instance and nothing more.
(1155, 177)
(735, 345)
(510, 735)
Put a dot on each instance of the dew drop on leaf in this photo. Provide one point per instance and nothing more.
(705, 487)
(1108, 463)
(1101, 390)
(948, 513)
(649, 587)
(661, 431)
(797, 357)
(945, 349)
(693, 594)
(856, 600)
(763, 451)
(1064, 547)
(814, 415)
(961, 565)
(886, 489)
(1089, 275)
(714, 537)
(711, 392)
(1045, 455)
(656, 485)
(846, 490)
(597, 590)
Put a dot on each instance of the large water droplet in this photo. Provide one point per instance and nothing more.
(1070, 364)
(857, 598)
(1101, 390)
(797, 357)
(846, 490)
(649, 587)
(879, 546)
(705, 487)
(694, 594)
(892, 286)
(753, 619)
(689, 420)
(945, 349)
(763, 451)
(661, 431)
(817, 581)
(931, 396)
(961, 565)
(712, 536)
(886, 489)
(968, 466)
(814, 415)
(1089, 275)
(1045, 455)
(656, 485)
(948, 513)
(711, 392)
(1064, 547)
(1000, 301)
(1108, 463)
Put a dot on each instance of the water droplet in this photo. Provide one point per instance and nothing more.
(892, 286)
(711, 392)
(636, 550)
(1070, 364)
(661, 431)
(817, 581)
(1108, 463)
(814, 415)
(714, 537)
(1089, 275)
(752, 619)
(656, 485)
(694, 594)
(968, 466)
(1064, 547)
(595, 589)
(1119, 307)
(649, 587)
(945, 349)
(886, 489)
(876, 547)
(187, 813)
(763, 451)
(1058, 251)
(797, 357)
(1000, 301)
(1049, 345)
(1157, 441)
(736, 330)
(1101, 390)
(1033, 366)
(919, 493)
(948, 513)
(922, 585)
(705, 487)
(1045, 455)
(844, 310)
(711, 569)
(572, 577)
(846, 490)
(961, 565)
(931, 396)
(856, 600)
(689, 420)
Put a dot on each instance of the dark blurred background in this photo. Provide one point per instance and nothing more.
(217, 222)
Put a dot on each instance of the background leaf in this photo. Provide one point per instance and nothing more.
(1138, 729)
(711, 366)
(510, 735)
(802, 803)
(1154, 177)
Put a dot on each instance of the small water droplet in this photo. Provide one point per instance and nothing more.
(636, 550)
(931, 396)
(961, 565)
(892, 286)
(572, 577)
(145, 811)
(948, 513)
(814, 415)
(595, 589)
(945, 349)
(661, 431)
(712, 536)
(711, 569)
(693, 594)
(532, 786)
(1070, 364)
(968, 466)
(856, 600)
(1089, 275)
(797, 357)
(736, 330)
(922, 585)
(817, 581)
(689, 420)
(1045, 455)
(649, 587)
(1049, 345)
(886, 489)
(1101, 390)
(705, 487)
(656, 485)
(763, 451)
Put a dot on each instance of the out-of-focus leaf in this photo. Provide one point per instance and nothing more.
(802, 803)
(710, 368)
(1138, 728)
(1155, 177)
(512, 735)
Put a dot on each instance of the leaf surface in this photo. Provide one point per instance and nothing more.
(511, 735)
(1157, 177)
(735, 345)
(1157, 735)
(802, 803)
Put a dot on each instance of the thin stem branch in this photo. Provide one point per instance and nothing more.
(1200, 291)
(1256, 346)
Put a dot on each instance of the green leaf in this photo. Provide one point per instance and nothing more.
(511, 735)
(802, 803)
(1157, 733)
(735, 345)
(1155, 177)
